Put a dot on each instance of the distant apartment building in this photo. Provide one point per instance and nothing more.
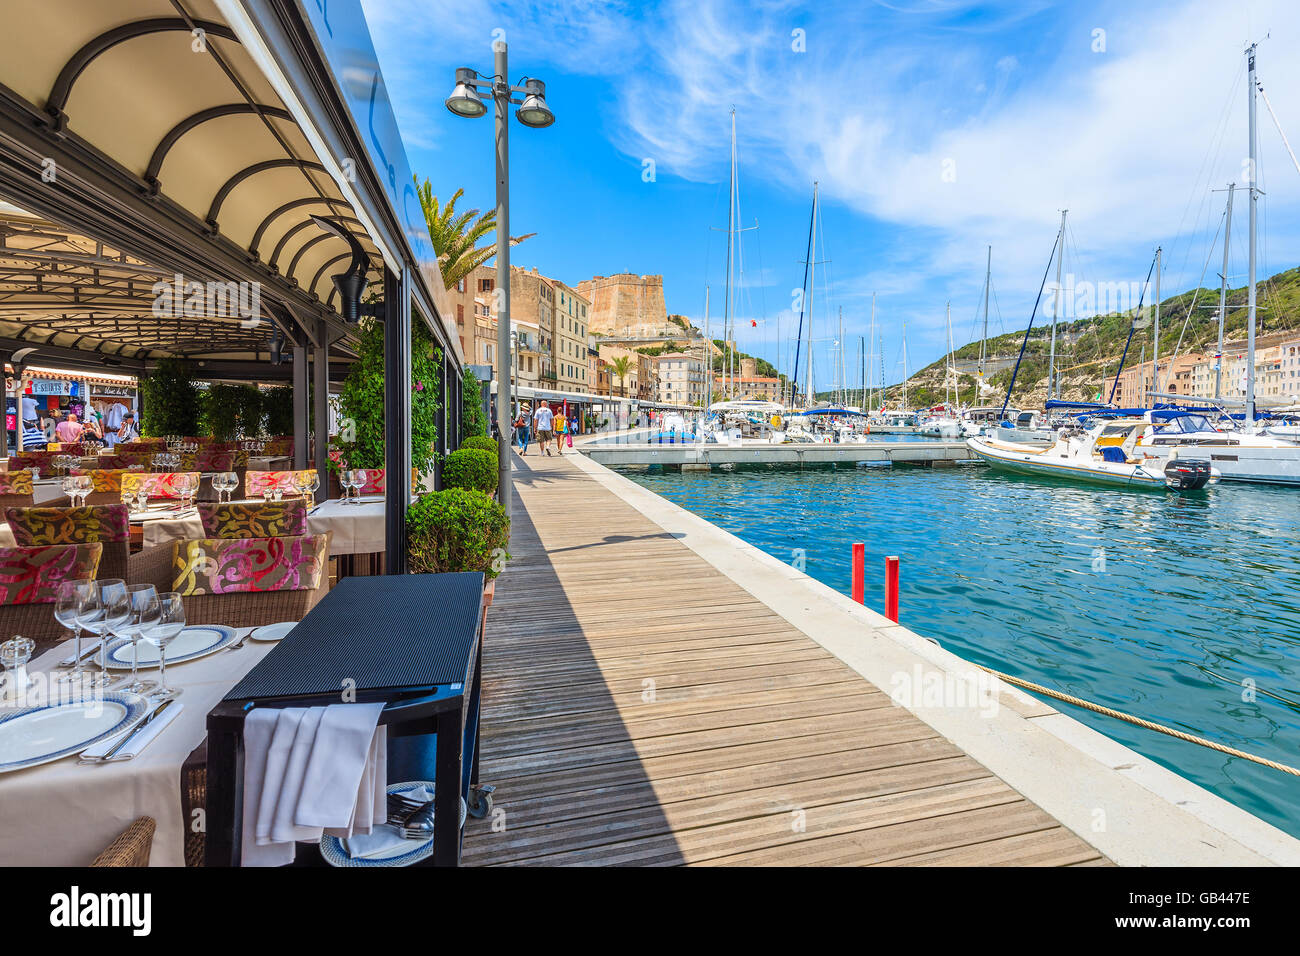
(475, 301)
(1277, 373)
(681, 378)
(570, 338)
(747, 383)
(640, 381)
(532, 302)
(528, 356)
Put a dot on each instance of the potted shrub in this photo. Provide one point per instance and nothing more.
(471, 468)
(480, 441)
(458, 529)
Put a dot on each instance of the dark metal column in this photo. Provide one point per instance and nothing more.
(320, 371)
(397, 418)
(301, 409)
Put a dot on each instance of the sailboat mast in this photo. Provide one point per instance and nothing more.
(1155, 345)
(839, 360)
(812, 287)
(949, 364)
(731, 231)
(1223, 296)
(984, 339)
(1254, 201)
(871, 357)
(1056, 308)
(708, 356)
(904, 364)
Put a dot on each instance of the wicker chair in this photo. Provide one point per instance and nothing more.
(241, 603)
(29, 586)
(131, 847)
(107, 524)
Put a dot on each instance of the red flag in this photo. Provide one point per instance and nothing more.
(753, 323)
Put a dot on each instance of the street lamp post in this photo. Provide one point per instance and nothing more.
(533, 111)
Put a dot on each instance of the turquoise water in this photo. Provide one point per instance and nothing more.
(1157, 604)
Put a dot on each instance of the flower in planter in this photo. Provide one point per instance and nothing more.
(419, 386)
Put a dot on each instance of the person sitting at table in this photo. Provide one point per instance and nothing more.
(69, 430)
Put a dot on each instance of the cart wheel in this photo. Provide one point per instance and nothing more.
(479, 804)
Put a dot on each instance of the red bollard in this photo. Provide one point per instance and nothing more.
(891, 588)
(860, 573)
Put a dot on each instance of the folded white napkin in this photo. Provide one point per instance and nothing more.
(139, 742)
(384, 838)
(308, 769)
(259, 727)
(337, 767)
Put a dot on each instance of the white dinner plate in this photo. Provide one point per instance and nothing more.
(273, 632)
(197, 640)
(334, 850)
(35, 735)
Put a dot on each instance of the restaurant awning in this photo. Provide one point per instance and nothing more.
(187, 150)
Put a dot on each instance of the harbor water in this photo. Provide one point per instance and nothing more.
(1180, 608)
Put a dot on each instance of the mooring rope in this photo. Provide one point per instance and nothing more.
(1141, 722)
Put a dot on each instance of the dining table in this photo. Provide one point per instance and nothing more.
(357, 525)
(63, 813)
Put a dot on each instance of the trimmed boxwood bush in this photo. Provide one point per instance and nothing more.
(457, 530)
(473, 468)
(480, 441)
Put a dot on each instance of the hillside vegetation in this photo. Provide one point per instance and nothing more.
(1088, 350)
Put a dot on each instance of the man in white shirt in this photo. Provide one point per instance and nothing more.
(543, 421)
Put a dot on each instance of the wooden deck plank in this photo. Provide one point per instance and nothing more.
(640, 708)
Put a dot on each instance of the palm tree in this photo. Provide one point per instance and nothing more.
(455, 235)
(620, 367)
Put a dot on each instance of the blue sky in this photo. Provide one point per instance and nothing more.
(934, 127)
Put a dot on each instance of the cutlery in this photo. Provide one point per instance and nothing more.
(239, 643)
(134, 732)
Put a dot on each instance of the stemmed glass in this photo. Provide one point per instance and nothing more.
(348, 479)
(67, 605)
(359, 478)
(69, 486)
(171, 621)
(223, 483)
(142, 496)
(101, 610)
(143, 612)
(83, 485)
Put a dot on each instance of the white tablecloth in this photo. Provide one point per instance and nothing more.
(358, 528)
(64, 813)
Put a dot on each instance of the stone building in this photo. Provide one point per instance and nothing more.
(475, 302)
(640, 382)
(532, 301)
(570, 339)
(628, 305)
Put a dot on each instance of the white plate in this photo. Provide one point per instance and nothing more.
(335, 853)
(35, 735)
(197, 640)
(273, 632)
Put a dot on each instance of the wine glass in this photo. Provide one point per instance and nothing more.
(171, 621)
(229, 481)
(83, 485)
(143, 612)
(70, 488)
(142, 496)
(353, 486)
(359, 478)
(72, 594)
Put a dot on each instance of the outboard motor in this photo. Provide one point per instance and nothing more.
(1184, 474)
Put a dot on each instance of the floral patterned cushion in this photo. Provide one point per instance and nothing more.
(278, 447)
(71, 448)
(105, 479)
(259, 482)
(275, 519)
(16, 483)
(206, 459)
(44, 460)
(249, 565)
(33, 575)
(157, 484)
(42, 526)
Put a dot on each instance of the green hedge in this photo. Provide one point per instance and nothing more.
(457, 530)
(480, 441)
(472, 468)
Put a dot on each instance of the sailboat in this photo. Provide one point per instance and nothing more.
(1249, 454)
(944, 421)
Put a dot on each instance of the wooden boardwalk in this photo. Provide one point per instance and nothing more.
(642, 709)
